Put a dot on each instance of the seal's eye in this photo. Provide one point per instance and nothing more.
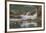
(33, 13)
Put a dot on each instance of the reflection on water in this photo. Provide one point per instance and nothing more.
(25, 21)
